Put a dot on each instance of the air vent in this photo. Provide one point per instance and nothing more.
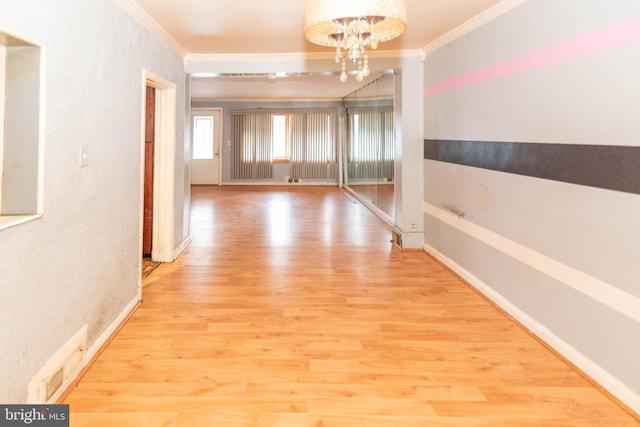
(396, 238)
(54, 383)
(59, 371)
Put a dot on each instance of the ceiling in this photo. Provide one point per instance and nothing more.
(202, 28)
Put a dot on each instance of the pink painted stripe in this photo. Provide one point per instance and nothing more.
(610, 37)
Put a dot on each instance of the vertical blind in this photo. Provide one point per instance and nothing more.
(370, 144)
(251, 151)
(312, 145)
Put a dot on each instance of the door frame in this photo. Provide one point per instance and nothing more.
(217, 137)
(164, 166)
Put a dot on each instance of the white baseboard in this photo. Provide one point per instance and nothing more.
(412, 239)
(181, 247)
(97, 345)
(273, 183)
(60, 370)
(604, 378)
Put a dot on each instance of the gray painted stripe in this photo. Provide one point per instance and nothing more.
(603, 166)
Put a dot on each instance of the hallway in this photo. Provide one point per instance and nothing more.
(291, 307)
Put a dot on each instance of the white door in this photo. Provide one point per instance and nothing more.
(206, 134)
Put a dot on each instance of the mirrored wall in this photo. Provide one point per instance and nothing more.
(368, 149)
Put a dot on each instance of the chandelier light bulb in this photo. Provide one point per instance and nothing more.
(365, 68)
(343, 74)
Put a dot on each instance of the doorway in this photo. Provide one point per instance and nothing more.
(149, 137)
(206, 141)
(158, 176)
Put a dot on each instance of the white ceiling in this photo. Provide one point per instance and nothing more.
(275, 27)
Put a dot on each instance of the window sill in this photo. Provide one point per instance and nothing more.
(8, 221)
(281, 161)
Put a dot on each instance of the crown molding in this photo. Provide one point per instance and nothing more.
(149, 23)
(473, 23)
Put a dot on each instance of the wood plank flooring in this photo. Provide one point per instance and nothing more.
(291, 307)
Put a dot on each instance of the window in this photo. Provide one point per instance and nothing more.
(203, 137)
(20, 131)
(306, 139)
(280, 135)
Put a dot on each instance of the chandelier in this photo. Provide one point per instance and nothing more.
(352, 26)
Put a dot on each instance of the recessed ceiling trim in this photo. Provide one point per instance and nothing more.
(475, 22)
(273, 75)
(269, 99)
(133, 9)
(208, 57)
(279, 75)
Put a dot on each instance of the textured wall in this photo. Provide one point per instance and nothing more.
(79, 263)
(549, 231)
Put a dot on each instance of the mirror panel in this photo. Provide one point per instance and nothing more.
(368, 152)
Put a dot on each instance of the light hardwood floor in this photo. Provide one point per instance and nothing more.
(291, 307)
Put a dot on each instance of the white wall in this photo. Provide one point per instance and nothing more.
(560, 257)
(80, 263)
(408, 108)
